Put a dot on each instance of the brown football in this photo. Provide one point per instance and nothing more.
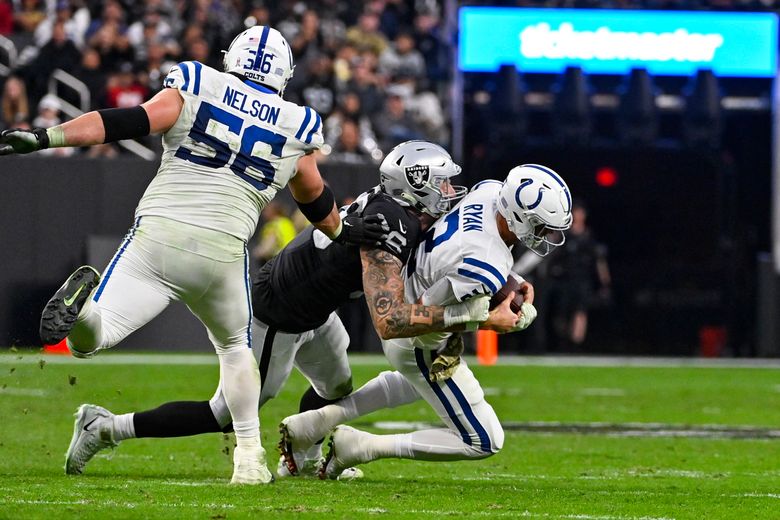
(511, 285)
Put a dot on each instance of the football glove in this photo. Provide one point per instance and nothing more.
(447, 359)
(17, 140)
(528, 315)
(369, 231)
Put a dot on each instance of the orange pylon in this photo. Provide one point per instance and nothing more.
(487, 347)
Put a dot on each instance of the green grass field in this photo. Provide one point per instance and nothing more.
(546, 475)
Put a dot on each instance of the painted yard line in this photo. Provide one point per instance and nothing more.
(26, 392)
(706, 431)
(26, 357)
(322, 509)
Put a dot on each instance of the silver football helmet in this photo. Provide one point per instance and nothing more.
(417, 173)
(536, 203)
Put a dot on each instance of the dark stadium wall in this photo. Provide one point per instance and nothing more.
(58, 214)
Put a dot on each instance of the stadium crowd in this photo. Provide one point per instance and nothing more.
(373, 70)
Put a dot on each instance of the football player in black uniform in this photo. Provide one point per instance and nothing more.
(295, 297)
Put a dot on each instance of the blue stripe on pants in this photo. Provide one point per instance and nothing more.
(248, 296)
(418, 356)
(484, 438)
(117, 256)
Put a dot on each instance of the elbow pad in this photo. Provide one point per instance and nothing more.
(124, 123)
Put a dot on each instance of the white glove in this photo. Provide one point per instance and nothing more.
(475, 310)
(528, 315)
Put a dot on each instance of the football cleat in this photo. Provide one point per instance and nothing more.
(60, 313)
(298, 433)
(92, 432)
(343, 453)
(249, 466)
(309, 468)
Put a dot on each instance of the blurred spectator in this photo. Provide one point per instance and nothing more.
(394, 125)
(6, 17)
(49, 115)
(15, 104)
(366, 35)
(432, 45)
(108, 35)
(276, 232)
(93, 77)
(307, 41)
(75, 22)
(152, 30)
(342, 65)
(425, 109)
(349, 110)
(155, 68)
(318, 90)
(29, 15)
(348, 147)
(58, 53)
(365, 83)
(571, 279)
(402, 59)
(199, 50)
(124, 90)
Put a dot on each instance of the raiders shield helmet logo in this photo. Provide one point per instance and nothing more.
(417, 176)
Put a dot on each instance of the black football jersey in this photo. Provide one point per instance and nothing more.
(312, 276)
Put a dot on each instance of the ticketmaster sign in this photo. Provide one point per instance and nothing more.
(603, 41)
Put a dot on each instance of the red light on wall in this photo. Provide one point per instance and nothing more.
(606, 177)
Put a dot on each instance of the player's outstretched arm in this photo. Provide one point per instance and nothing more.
(394, 318)
(318, 205)
(97, 127)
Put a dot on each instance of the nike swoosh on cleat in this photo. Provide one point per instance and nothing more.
(86, 426)
(69, 301)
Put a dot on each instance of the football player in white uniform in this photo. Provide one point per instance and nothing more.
(295, 297)
(465, 254)
(230, 142)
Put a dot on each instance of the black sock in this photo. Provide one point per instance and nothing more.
(311, 401)
(176, 419)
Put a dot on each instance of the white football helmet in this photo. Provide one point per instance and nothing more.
(261, 54)
(536, 204)
(417, 173)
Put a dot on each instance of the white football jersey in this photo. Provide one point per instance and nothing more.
(235, 144)
(460, 257)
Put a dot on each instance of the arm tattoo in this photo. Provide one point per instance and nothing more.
(384, 290)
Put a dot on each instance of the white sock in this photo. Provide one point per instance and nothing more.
(241, 387)
(437, 445)
(85, 336)
(387, 390)
(123, 427)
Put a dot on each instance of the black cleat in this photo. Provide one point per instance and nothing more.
(61, 311)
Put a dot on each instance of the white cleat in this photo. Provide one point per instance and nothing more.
(298, 434)
(309, 469)
(92, 432)
(249, 466)
(345, 451)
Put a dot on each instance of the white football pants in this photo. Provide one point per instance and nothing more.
(319, 354)
(473, 429)
(161, 260)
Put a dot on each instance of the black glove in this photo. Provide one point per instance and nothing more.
(17, 140)
(369, 231)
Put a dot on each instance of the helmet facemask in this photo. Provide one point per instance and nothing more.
(536, 235)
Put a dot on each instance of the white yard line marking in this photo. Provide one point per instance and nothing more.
(706, 431)
(603, 392)
(324, 509)
(118, 358)
(26, 392)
